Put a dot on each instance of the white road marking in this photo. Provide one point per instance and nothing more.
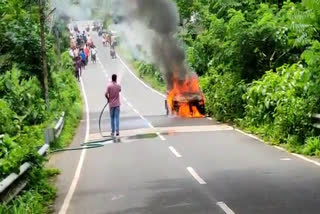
(282, 149)
(143, 118)
(225, 208)
(306, 159)
(135, 110)
(117, 197)
(129, 104)
(147, 121)
(249, 135)
(161, 136)
(196, 176)
(174, 151)
(76, 177)
(285, 159)
(133, 74)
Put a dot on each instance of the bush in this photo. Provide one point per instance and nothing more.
(148, 69)
(24, 96)
(9, 121)
(283, 101)
(38, 195)
(223, 95)
(23, 115)
(312, 146)
(66, 61)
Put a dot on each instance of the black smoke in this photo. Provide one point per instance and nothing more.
(159, 19)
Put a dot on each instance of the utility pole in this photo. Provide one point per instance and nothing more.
(43, 51)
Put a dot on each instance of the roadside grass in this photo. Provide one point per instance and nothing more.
(153, 82)
(148, 78)
(73, 116)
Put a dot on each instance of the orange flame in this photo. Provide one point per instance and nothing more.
(178, 100)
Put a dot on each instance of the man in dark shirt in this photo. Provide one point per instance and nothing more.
(113, 96)
(77, 68)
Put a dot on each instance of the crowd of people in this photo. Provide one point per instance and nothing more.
(81, 48)
(108, 40)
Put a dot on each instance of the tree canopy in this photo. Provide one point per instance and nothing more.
(258, 62)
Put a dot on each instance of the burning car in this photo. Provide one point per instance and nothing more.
(186, 99)
(188, 105)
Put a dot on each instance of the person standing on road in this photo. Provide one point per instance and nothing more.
(112, 52)
(113, 96)
(77, 68)
(84, 37)
(93, 54)
(86, 52)
(83, 59)
(71, 53)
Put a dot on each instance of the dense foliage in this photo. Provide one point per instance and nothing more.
(23, 116)
(37, 196)
(23, 112)
(19, 37)
(259, 64)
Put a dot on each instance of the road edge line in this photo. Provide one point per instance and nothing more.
(225, 207)
(135, 76)
(75, 180)
(306, 159)
(280, 148)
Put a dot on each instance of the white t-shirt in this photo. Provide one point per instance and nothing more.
(93, 51)
(71, 53)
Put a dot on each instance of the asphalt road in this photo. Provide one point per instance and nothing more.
(218, 171)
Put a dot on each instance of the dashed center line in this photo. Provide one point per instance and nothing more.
(135, 110)
(174, 151)
(126, 100)
(160, 136)
(225, 207)
(195, 175)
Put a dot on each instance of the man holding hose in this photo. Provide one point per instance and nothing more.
(113, 96)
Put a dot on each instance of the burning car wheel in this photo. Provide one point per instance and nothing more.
(175, 109)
